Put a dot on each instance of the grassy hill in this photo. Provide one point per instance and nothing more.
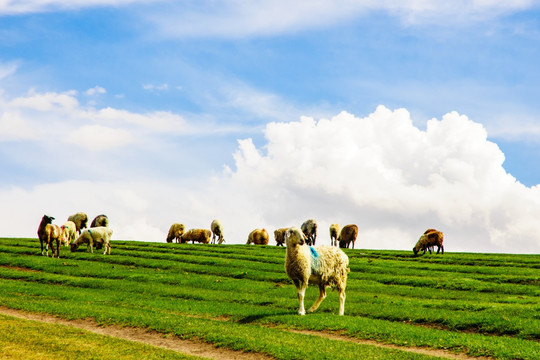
(239, 297)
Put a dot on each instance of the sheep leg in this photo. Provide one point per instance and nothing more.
(322, 295)
(342, 302)
(300, 292)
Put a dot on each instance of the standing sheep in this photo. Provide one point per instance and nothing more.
(258, 237)
(347, 236)
(175, 232)
(48, 233)
(80, 219)
(334, 233)
(93, 236)
(309, 228)
(217, 232)
(68, 232)
(320, 265)
(279, 236)
(41, 232)
(429, 238)
(199, 235)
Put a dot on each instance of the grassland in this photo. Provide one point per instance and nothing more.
(239, 297)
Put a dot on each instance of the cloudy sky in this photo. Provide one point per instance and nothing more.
(397, 116)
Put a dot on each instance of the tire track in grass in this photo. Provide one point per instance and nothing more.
(418, 350)
(207, 350)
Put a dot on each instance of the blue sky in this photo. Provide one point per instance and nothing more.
(133, 95)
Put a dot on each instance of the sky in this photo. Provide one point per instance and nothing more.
(397, 116)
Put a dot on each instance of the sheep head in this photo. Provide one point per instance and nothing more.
(47, 219)
(295, 236)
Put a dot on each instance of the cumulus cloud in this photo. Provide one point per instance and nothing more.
(380, 172)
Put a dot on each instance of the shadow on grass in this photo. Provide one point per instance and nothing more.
(255, 318)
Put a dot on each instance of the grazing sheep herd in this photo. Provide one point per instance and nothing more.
(305, 263)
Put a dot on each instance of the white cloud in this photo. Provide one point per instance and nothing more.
(12, 7)
(232, 19)
(381, 172)
(96, 90)
(13, 128)
(7, 69)
(100, 138)
(49, 101)
(162, 87)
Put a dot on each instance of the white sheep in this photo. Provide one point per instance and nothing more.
(91, 236)
(68, 233)
(217, 232)
(334, 233)
(80, 219)
(320, 265)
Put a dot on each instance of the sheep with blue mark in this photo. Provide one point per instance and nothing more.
(320, 265)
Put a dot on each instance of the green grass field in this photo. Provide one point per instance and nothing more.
(239, 297)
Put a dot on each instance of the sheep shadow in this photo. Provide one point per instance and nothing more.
(255, 318)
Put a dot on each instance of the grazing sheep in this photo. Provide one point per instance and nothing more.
(334, 233)
(258, 237)
(217, 232)
(199, 235)
(428, 240)
(68, 233)
(309, 228)
(80, 219)
(347, 236)
(175, 232)
(48, 233)
(279, 236)
(320, 265)
(91, 236)
(100, 220)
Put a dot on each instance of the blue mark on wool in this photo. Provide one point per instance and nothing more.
(315, 261)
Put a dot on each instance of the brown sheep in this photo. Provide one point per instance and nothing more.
(309, 228)
(80, 219)
(175, 232)
(429, 238)
(258, 237)
(334, 233)
(200, 235)
(47, 233)
(347, 236)
(279, 236)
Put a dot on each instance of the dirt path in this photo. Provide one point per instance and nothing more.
(205, 349)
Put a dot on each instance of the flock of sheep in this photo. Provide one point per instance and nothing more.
(305, 263)
(98, 235)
